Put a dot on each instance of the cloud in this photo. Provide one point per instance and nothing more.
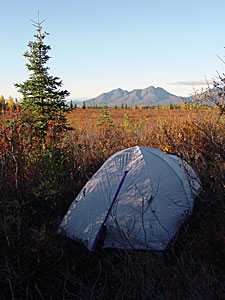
(193, 82)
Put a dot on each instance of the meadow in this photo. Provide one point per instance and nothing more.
(38, 184)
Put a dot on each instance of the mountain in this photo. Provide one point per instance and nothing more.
(149, 96)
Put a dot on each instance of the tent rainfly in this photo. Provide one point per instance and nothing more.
(140, 196)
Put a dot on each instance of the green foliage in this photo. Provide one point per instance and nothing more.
(42, 96)
(176, 106)
(106, 118)
(31, 179)
(127, 121)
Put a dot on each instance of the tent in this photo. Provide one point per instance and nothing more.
(140, 196)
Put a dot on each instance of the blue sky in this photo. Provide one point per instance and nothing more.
(100, 45)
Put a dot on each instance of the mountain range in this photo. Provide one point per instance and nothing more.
(149, 96)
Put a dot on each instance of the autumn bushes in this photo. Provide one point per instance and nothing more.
(38, 183)
(197, 136)
(192, 265)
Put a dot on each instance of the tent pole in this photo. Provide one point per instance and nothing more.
(109, 210)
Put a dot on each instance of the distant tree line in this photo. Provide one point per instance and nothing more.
(9, 104)
(186, 106)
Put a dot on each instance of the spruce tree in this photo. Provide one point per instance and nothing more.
(42, 96)
(84, 105)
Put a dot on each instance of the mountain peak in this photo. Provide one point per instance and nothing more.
(148, 96)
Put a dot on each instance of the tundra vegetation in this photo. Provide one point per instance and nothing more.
(42, 170)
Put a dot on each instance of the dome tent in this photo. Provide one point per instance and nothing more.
(140, 195)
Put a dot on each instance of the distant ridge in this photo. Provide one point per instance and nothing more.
(150, 96)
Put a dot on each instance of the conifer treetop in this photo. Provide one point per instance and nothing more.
(41, 92)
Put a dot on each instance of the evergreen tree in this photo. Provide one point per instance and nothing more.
(106, 118)
(71, 104)
(42, 96)
(171, 106)
(84, 105)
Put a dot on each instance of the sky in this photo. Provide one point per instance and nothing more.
(101, 45)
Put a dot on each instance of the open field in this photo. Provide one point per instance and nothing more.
(38, 184)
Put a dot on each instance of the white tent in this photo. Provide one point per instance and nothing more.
(140, 196)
